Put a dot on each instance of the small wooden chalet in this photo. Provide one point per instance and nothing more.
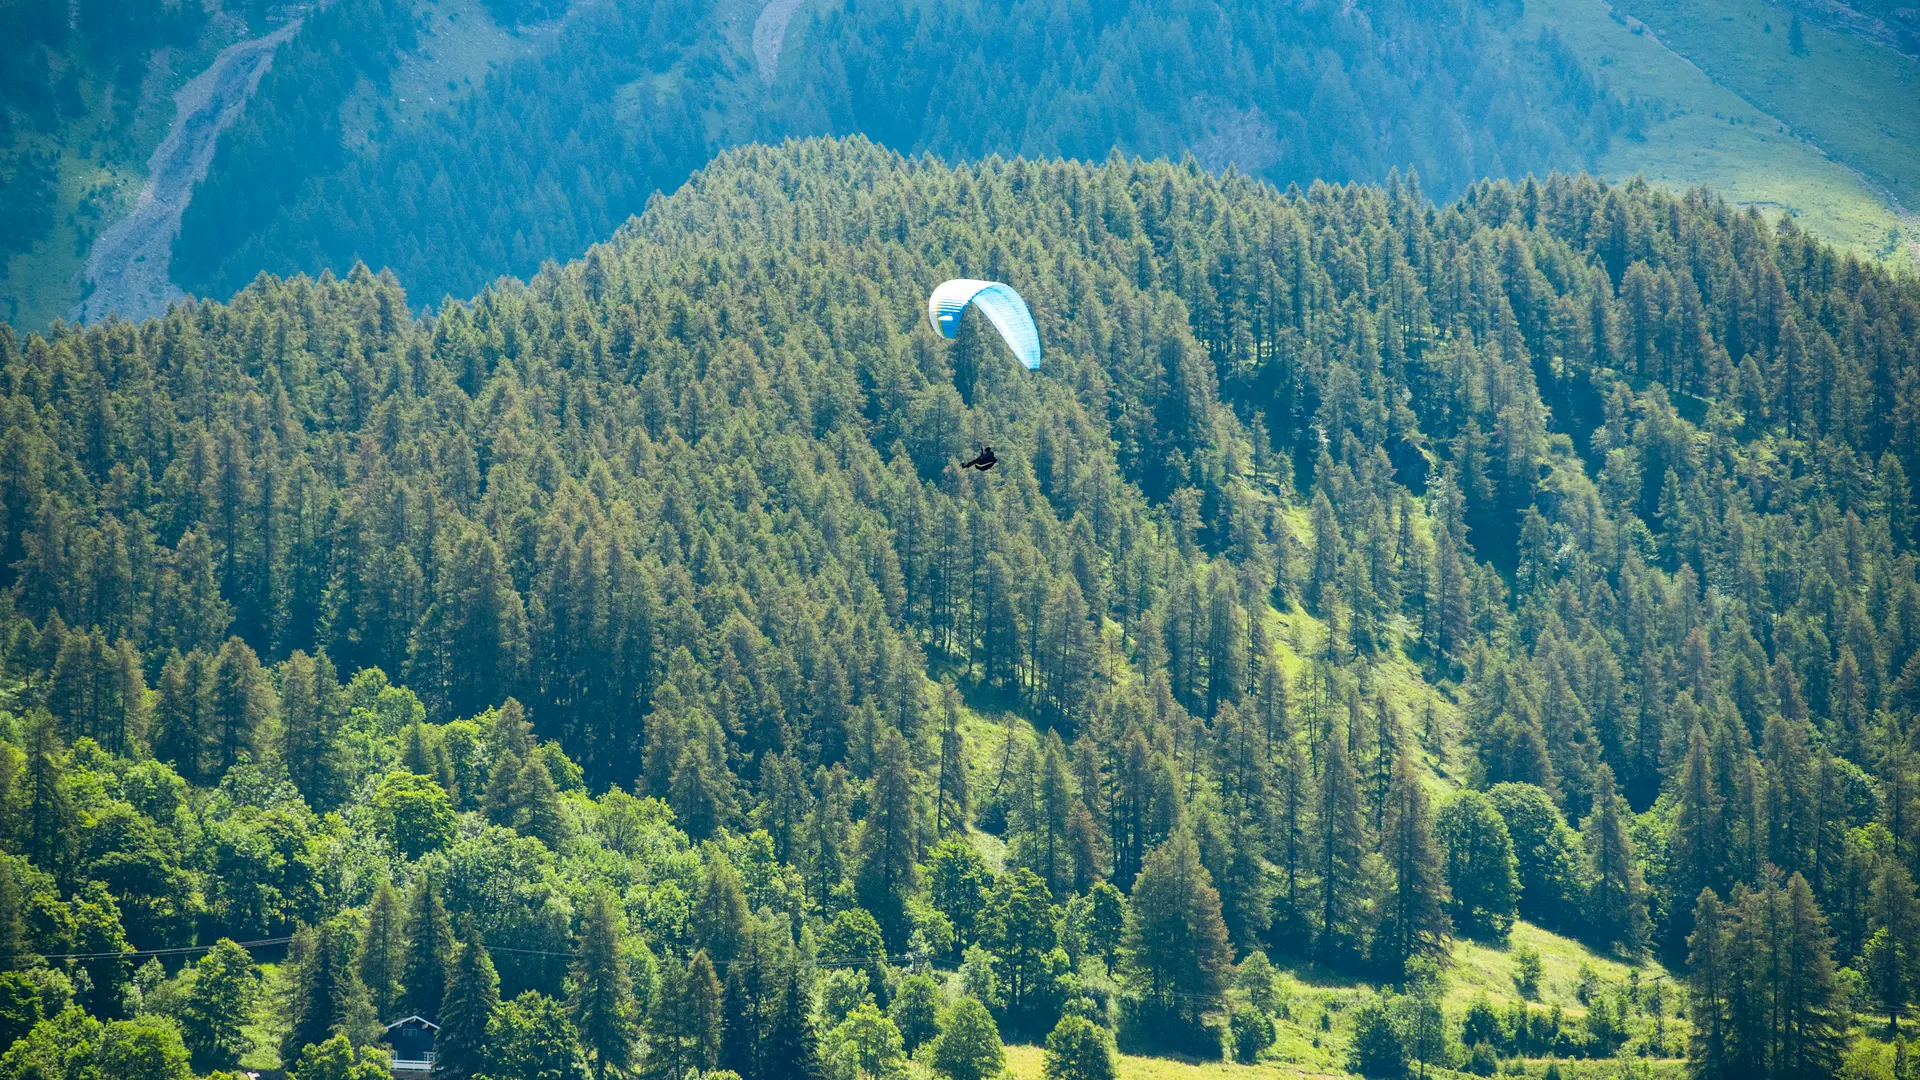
(412, 1042)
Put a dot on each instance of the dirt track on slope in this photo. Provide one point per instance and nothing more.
(127, 269)
(769, 33)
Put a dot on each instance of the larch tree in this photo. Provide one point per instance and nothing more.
(1413, 918)
(1176, 951)
(1340, 848)
(382, 955)
(888, 864)
(429, 952)
(461, 1047)
(600, 997)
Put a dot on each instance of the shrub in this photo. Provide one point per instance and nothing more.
(1526, 971)
(1252, 1031)
(1078, 1050)
(968, 1046)
(1376, 1052)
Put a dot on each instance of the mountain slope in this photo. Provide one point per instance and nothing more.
(1702, 133)
(562, 146)
(1593, 498)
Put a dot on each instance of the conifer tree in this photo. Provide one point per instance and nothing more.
(1892, 954)
(685, 1026)
(792, 1050)
(1176, 950)
(242, 702)
(15, 953)
(1413, 914)
(720, 918)
(1616, 905)
(383, 953)
(601, 992)
(1338, 852)
(828, 828)
(311, 714)
(503, 797)
(741, 1023)
(51, 821)
(1813, 1031)
(328, 999)
(1696, 844)
(888, 867)
(539, 814)
(460, 1050)
(1327, 545)
(1292, 848)
(429, 952)
(953, 810)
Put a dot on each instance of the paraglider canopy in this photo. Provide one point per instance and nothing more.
(1001, 304)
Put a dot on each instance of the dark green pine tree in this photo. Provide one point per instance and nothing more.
(792, 1049)
(184, 699)
(311, 714)
(503, 797)
(383, 952)
(470, 650)
(953, 809)
(740, 1027)
(242, 703)
(416, 750)
(539, 814)
(601, 992)
(685, 1026)
(15, 953)
(1413, 912)
(1892, 954)
(460, 1050)
(1696, 846)
(1710, 988)
(1813, 1027)
(828, 826)
(429, 952)
(1176, 950)
(888, 863)
(1340, 850)
(51, 823)
(1325, 572)
(1291, 850)
(720, 917)
(327, 999)
(702, 1018)
(1616, 907)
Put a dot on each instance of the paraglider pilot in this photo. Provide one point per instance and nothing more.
(983, 461)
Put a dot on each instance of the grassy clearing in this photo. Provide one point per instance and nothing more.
(1710, 134)
(1025, 1063)
(1488, 969)
(1850, 95)
(42, 283)
(1312, 1039)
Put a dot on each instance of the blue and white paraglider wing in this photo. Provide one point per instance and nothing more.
(1000, 303)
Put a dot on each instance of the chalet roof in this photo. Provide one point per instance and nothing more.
(411, 1019)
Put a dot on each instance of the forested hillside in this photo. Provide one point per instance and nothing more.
(559, 147)
(617, 669)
